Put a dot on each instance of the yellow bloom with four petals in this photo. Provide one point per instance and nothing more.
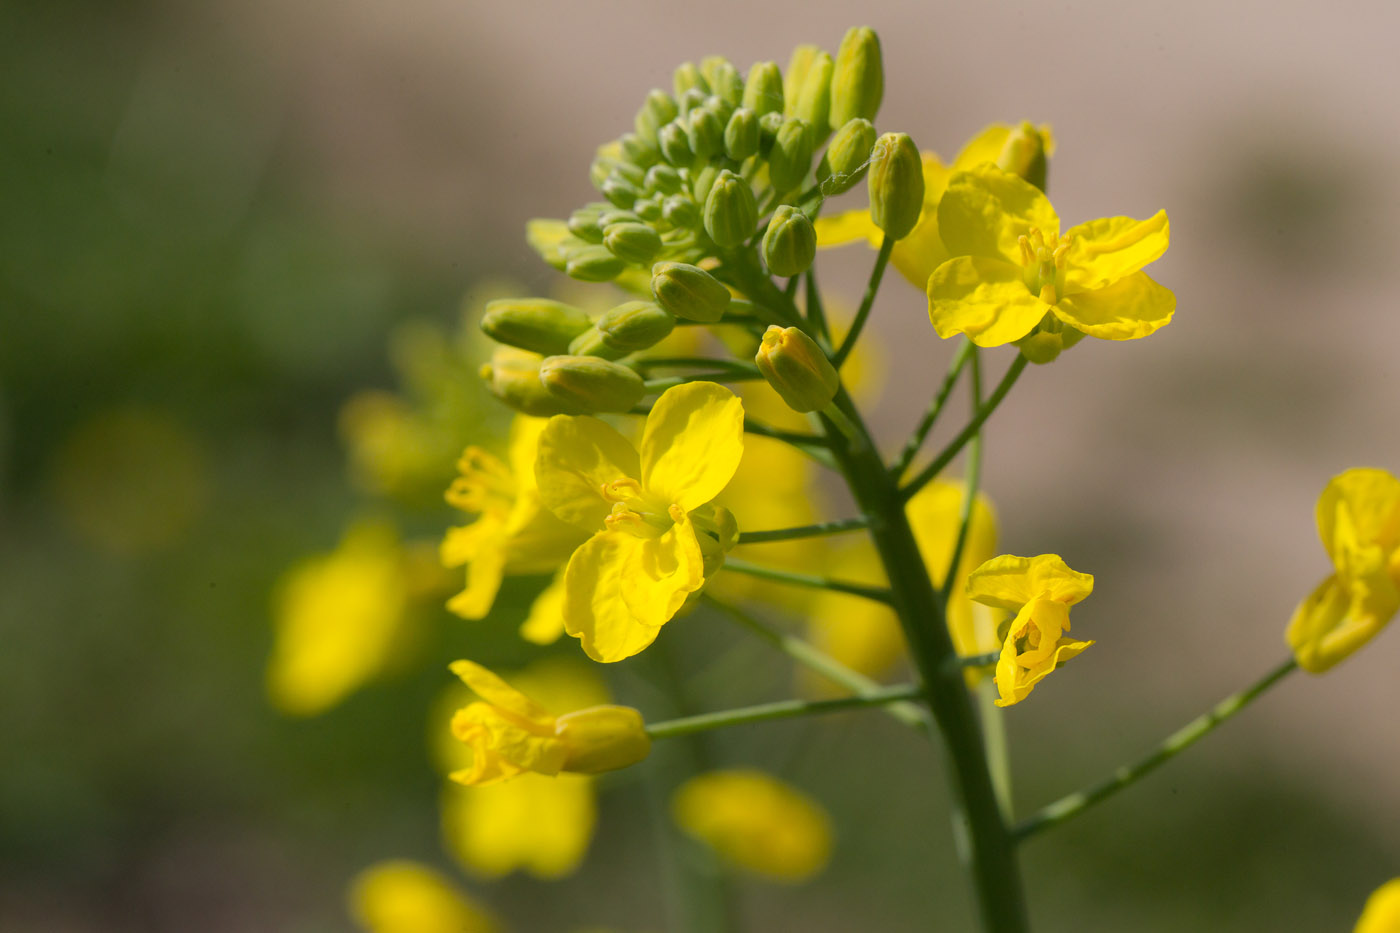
(1040, 591)
(1015, 279)
(1358, 519)
(1382, 911)
(656, 535)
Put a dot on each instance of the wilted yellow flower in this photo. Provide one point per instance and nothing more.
(509, 733)
(1358, 519)
(1040, 591)
(1382, 911)
(513, 532)
(757, 822)
(406, 897)
(338, 617)
(656, 535)
(1014, 278)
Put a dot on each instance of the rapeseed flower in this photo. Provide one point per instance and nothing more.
(405, 897)
(1382, 911)
(656, 535)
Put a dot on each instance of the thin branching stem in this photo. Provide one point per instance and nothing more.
(878, 594)
(804, 531)
(935, 408)
(867, 301)
(782, 709)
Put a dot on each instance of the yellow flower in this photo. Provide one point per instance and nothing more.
(1015, 277)
(513, 533)
(1040, 591)
(1358, 519)
(756, 822)
(338, 617)
(534, 822)
(656, 535)
(510, 734)
(406, 897)
(1382, 911)
(922, 251)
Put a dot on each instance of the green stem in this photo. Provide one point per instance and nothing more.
(876, 593)
(998, 749)
(984, 411)
(669, 362)
(782, 709)
(877, 272)
(803, 531)
(1076, 803)
(819, 662)
(972, 479)
(916, 440)
(670, 382)
(816, 311)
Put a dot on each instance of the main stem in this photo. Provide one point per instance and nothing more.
(986, 842)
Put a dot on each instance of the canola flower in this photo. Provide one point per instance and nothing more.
(407, 897)
(655, 534)
(1382, 911)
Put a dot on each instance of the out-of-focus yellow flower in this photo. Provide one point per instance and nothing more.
(509, 734)
(1040, 591)
(756, 822)
(406, 897)
(131, 480)
(513, 532)
(338, 617)
(1014, 278)
(391, 449)
(1382, 911)
(660, 535)
(1358, 519)
(863, 635)
(545, 621)
(922, 251)
(536, 823)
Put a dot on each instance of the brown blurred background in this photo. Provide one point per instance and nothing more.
(217, 211)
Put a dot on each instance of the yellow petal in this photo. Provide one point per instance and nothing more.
(405, 897)
(1343, 613)
(985, 210)
(692, 444)
(661, 572)
(1103, 251)
(1364, 500)
(986, 146)
(545, 623)
(594, 609)
(983, 298)
(503, 745)
(1130, 308)
(847, 227)
(934, 513)
(523, 449)
(537, 823)
(1382, 911)
(484, 575)
(1009, 582)
(578, 456)
(1014, 683)
(756, 822)
(497, 692)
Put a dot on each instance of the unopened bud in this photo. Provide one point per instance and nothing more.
(591, 383)
(662, 179)
(602, 738)
(616, 215)
(741, 135)
(679, 210)
(847, 157)
(658, 110)
(537, 324)
(858, 80)
(687, 77)
(705, 132)
(814, 100)
(632, 242)
(638, 151)
(648, 209)
(790, 243)
(896, 184)
(635, 325)
(797, 368)
(731, 213)
(724, 79)
(591, 343)
(689, 292)
(1024, 153)
(583, 223)
(513, 376)
(791, 156)
(795, 75)
(702, 183)
(620, 191)
(593, 264)
(675, 144)
(763, 92)
(768, 126)
(691, 100)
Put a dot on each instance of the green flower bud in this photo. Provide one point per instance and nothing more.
(731, 213)
(662, 179)
(675, 144)
(722, 108)
(658, 110)
(703, 182)
(1024, 154)
(620, 191)
(847, 157)
(797, 368)
(593, 264)
(583, 223)
(791, 155)
(691, 100)
(763, 92)
(723, 78)
(635, 325)
(689, 292)
(768, 126)
(536, 324)
(896, 184)
(796, 75)
(591, 343)
(636, 243)
(513, 376)
(638, 151)
(680, 210)
(687, 77)
(599, 170)
(616, 215)
(590, 383)
(814, 100)
(648, 209)
(858, 81)
(741, 135)
(705, 132)
(790, 243)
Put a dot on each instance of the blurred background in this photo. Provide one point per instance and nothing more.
(220, 222)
